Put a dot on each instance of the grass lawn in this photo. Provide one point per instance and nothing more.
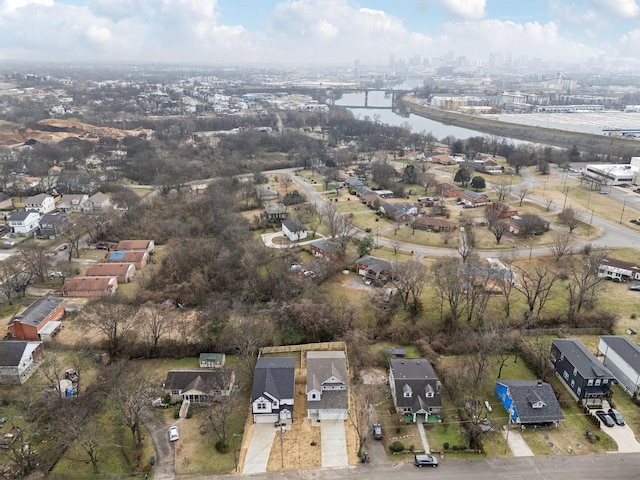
(115, 451)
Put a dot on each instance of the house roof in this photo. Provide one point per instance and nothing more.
(212, 357)
(326, 245)
(112, 269)
(125, 256)
(275, 208)
(11, 352)
(417, 376)
(294, 225)
(449, 186)
(39, 310)
(612, 262)
(374, 263)
(321, 366)
(37, 199)
(99, 197)
(133, 244)
(474, 195)
(625, 348)
(87, 283)
(582, 359)
(51, 218)
(526, 394)
(412, 368)
(275, 376)
(22, 216)
(202, 380)
(4, 197)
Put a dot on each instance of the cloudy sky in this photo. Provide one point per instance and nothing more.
(314, 31)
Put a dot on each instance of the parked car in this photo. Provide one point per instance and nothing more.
(62, 248)
(634, 287)
(56, 274)
(102, 246)
(604, 418)
(173, 434)
(377, 431)
(71, 374)
(426, 461)
(613, 413)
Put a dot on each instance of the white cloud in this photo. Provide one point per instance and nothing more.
(533, 39)
(327, 31)
(12, 5)
(468, 9)
(99, 34)
(619, 8)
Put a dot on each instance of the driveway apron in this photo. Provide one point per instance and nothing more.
(259, 448)
(517, 445)
(333, 441)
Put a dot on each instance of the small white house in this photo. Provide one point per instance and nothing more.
(327, 383)
(24, 222)
(294, 230)
(622, 358)
(41, 203)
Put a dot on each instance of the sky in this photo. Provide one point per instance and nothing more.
(335, 32)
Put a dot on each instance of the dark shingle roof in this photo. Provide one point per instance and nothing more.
(11, 353)
(415, 375)
(294, 226)
(527, 393)
(625, 348)
(412, 368)
(275, 376)
(582, 359)
(202, 380)
(326, 245)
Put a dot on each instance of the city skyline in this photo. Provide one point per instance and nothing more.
(487, 32)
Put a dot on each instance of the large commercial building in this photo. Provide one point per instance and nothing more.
(614, 174)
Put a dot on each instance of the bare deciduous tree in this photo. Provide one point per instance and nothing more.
(535, 284)
(115, 320)
(584, 283)
(155, 324)
(35, 259)
(449, 290)
(410, 279)
(561, 245)
(220, 408)
(569, 217)
(363, 402)
(522, 191)
(501, 187)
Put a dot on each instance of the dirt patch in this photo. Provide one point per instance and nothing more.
(301, 441)
(373, 376)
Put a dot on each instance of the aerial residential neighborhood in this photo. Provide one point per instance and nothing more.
(316, 272)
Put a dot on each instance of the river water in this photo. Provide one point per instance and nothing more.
(379, 110)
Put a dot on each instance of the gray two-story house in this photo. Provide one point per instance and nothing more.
(584, 375)
(415, 388)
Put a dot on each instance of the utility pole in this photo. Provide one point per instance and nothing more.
(282, 430)
(623, 205)
(590, 222)
(506, 440)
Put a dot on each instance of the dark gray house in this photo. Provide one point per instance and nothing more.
(585, 377)
(529, 402)
(415, 388)
(199, 385)
(54, 224)
(273, 390)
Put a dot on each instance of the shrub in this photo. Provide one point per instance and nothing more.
(412, 447)
(633, 316)
(396, 447)
(445, 445)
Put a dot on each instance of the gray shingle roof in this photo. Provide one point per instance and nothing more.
(11, 352)
(203, 380)
(582, 359)
(320, 367)
(415, 375)
(38, 311)
(526, 394)
(625, 347)
(275, 376)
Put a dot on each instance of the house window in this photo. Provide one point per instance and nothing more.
(573, 383)
(565, 375)
(590, 382)
(429, 394)
(578, 391)
(561, 357)
(175, 391)
(604, 381)
(575, 372)
(597, 382)
(313, 396)
(261, 406)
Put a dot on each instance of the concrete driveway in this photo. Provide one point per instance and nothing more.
(624, 437)
(259, 448)
(333, 441)
(517, 445)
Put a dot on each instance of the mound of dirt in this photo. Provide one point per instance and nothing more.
(54, 130)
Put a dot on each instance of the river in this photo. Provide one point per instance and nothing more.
(379, 110)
